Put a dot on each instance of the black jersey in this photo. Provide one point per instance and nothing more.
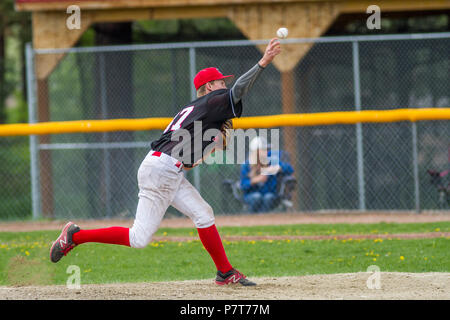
(207, 112)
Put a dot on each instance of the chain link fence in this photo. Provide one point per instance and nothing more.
(381, 166)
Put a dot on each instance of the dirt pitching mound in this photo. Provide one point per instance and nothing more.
(394, 286)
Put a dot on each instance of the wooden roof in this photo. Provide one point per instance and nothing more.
(347, 5)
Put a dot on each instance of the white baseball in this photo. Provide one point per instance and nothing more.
(282, 33)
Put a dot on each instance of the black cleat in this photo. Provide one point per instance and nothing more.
(64, 243)
(233, 277)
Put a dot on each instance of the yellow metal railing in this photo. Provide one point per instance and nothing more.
(273, 121)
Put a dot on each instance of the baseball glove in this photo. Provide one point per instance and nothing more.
(220, 143)
(226, 128)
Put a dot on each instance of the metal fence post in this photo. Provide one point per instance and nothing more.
(359, 137)
(104, 115)
(415, 166)
(31, 99)
(192, 72)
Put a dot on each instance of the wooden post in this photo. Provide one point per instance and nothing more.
(45, 160)
(49, 32)
(290, 140)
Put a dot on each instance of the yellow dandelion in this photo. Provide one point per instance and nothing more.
(164, 233)
(27, 253)
(374, 259)
(437, 229)
(402, 258)
(425, 258)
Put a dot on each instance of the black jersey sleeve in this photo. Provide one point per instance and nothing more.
(221, 106)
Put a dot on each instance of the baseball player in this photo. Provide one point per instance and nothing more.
(161, 179)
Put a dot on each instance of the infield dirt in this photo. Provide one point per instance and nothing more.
(394, 286)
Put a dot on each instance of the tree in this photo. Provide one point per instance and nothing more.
(18, 24)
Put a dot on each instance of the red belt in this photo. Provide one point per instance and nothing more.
(158, 154)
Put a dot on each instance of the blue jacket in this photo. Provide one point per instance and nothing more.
(270, 186)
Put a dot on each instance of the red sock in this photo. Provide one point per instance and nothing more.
(213, 244)
(113, 235)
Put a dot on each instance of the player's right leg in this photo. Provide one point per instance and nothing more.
(158, 183)
(189, 201)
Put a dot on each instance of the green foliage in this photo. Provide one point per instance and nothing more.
(15, 31)
(15, 195)
(156, 31)
(19, 113)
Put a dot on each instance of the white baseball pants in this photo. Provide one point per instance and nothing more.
(162, 183)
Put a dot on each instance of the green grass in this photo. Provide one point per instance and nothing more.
(318, 229)
(24, 256)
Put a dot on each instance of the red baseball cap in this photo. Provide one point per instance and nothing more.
(207, 75)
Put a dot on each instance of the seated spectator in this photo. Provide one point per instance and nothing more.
(259, 178)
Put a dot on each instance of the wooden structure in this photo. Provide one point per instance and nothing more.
(257, 19)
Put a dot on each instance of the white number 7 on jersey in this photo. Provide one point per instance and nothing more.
(177, 125)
